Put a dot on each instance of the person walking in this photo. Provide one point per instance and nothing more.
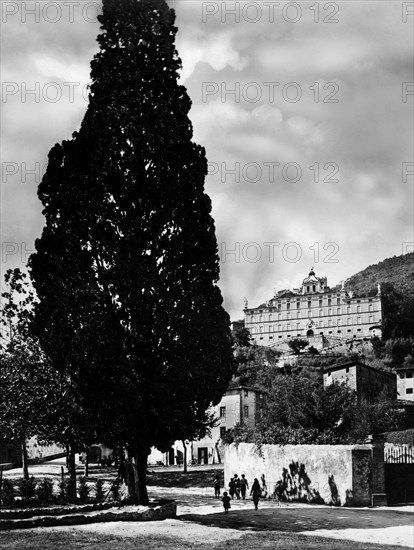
(237, 486)
(232, 487)
(226, 502)
(244, 484)
(255, 493)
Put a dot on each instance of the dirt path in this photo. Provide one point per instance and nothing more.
(200, 518)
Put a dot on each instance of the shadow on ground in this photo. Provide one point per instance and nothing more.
(301, 519)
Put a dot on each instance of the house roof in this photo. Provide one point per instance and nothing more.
(242, 388)
(356, 364)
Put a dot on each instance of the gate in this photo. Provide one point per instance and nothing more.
(399, 474)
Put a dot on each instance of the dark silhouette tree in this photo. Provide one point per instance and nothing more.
(297, 345)
(127, 264)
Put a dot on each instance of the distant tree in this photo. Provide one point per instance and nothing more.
(127, 265)
(35, 399)
(241, 336)
(256, 366)
(297, 345)
(299, 410)
(398, 312)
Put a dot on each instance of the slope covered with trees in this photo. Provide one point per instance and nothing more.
(398, 271)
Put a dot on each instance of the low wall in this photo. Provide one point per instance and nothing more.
(330, 474)
(78, 515)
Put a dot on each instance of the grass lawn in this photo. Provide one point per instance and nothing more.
(24, 540)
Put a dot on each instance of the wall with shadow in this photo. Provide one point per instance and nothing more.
(304, 473)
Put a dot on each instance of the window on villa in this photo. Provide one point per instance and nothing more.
(338, 301)
(409, 390)
(222, 412)
(329, 302)
(288, 305)
(309, 303)
(297, 305)
(320, 303)
(401, 375)
(408, 374)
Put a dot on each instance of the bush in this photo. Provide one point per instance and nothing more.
(83, 490)
(44, 491)
(7, 492)
(27, 488)
(99, 494)
(63, 494)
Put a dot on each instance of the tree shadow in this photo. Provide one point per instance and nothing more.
(295, 484)
(297, 520)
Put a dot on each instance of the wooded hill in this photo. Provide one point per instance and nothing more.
(398, 270)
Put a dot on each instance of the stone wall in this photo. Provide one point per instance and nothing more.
(330, 474)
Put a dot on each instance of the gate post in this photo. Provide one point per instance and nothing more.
(378, 495)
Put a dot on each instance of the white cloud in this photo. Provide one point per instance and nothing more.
(216, 50)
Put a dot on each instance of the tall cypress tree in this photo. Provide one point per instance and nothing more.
(127, 264)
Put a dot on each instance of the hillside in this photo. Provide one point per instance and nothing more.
(398, 270)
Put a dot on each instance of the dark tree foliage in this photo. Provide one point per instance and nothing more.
(241, 335)
(398, 312)
(256, 366)
(300, 410)
(297, 345)
(127, 264)
(35, 398)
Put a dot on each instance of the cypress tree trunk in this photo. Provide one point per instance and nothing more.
(136, 469)
(24, 461)
(184, 457)
(72, 474)
(86, 464)
(141, 471)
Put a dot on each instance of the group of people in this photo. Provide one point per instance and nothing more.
(237, 490)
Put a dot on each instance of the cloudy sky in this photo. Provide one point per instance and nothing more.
(305, 110)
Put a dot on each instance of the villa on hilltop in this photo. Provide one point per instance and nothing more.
(315, 312)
